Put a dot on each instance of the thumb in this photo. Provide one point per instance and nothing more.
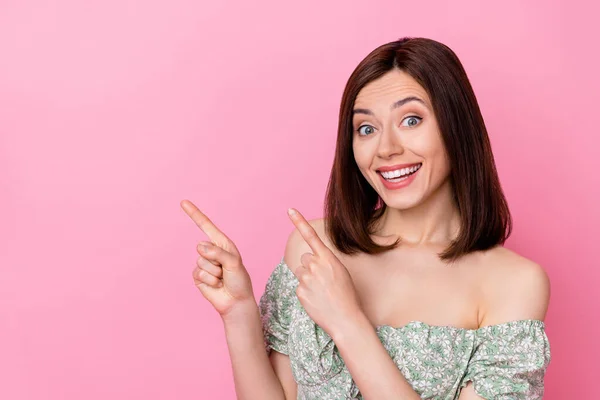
(221, 257)
(209, 292)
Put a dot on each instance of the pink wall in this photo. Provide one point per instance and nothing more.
(111, 112)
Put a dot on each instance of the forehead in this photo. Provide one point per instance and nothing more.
(388, 88)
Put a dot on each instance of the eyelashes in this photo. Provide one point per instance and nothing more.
(412, 117)
(409, 118)
(364, 126)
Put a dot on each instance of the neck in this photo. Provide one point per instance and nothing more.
(436, 221)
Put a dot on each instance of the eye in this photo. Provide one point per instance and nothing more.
(413, 120)
(365, 126)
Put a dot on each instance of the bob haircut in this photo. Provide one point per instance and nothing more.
(352, 207)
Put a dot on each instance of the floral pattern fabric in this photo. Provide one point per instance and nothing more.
(504, 361)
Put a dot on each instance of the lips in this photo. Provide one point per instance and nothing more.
(400, 183)
(395, 167)
(405, 172)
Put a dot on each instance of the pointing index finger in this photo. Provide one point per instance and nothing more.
(203, 222)
(308, 233)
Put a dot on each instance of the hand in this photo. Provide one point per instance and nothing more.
(220, 275)
(325, 290)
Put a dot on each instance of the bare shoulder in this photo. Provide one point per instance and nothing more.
(296, 245)
(514, 287)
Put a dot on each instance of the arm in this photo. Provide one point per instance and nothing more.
(371, 367)
(468, 393)
(283, 370)
(324, 285)
(255, 375)
(223, 280)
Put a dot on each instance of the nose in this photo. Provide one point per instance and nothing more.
(390, 143)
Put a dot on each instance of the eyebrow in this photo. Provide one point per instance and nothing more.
(397, 104)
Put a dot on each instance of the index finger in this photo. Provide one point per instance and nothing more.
(203, 222)
(308, 233)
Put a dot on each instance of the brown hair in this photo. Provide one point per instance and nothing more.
(351, 204)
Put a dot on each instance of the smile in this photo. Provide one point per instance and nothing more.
(399, 174)
(399, 178)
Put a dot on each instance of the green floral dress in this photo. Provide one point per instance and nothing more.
(504, 361)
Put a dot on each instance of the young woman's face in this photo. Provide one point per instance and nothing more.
(387, 134)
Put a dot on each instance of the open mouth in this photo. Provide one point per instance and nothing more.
(400, 174)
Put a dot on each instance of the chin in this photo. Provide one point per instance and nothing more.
(405, 203)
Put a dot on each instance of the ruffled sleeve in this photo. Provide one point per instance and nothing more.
(275, 308)
(509, 361)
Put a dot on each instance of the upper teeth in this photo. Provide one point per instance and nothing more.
(400, 172)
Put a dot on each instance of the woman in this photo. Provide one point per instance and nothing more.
(403, 290)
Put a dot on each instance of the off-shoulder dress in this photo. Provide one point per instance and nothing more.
(504, 361)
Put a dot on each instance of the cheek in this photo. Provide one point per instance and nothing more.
(363, 159)
(427, 144)
(431, 148)
(440, 163)
(361, 155)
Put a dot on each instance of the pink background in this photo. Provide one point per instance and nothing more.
(112, 112)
